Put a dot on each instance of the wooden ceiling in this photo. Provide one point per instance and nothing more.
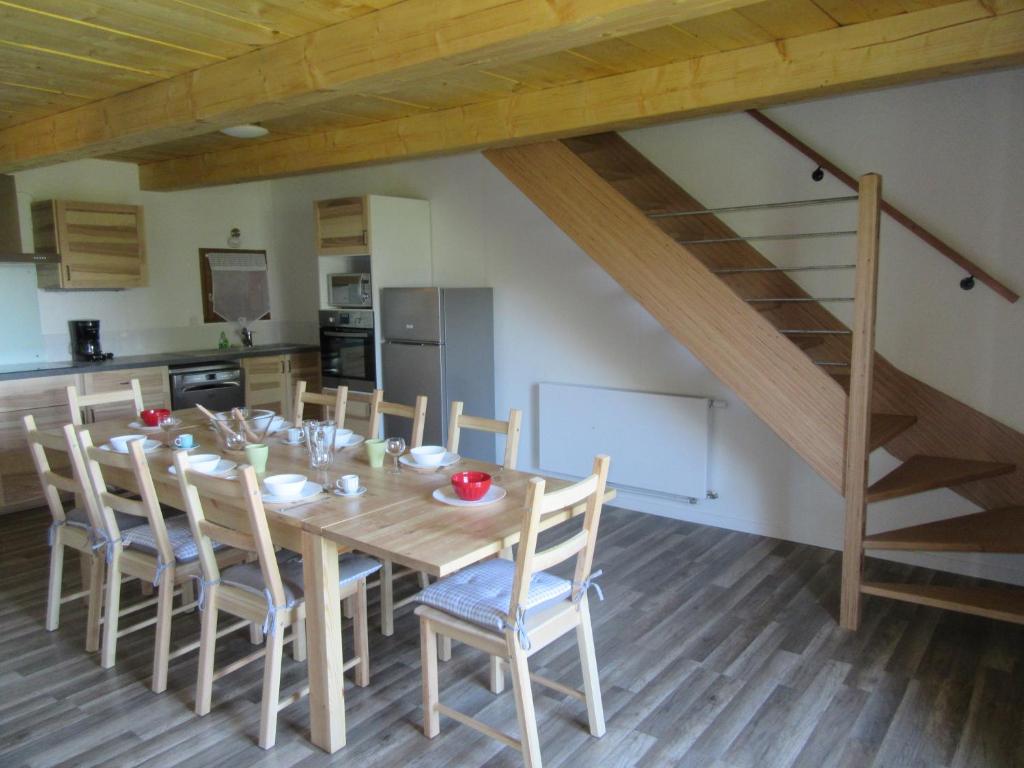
(347, 82)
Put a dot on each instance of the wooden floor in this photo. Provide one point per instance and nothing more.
(716, 649)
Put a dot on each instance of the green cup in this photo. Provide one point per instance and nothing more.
(256, 454)
(375, 450)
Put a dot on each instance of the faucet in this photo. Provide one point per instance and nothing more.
(246, 335)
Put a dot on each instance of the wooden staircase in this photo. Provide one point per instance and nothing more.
(789, 360)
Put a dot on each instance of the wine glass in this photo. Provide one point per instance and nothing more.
(395, 447)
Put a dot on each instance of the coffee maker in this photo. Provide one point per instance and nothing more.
(85, 341)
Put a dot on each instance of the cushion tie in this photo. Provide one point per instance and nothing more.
(204, 584)
(519, 627)
(51, 534)
(270, 622)
(101, 539)
(587, 583)
(161, 566)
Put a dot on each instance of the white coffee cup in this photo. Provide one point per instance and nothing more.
(120, 443)
(294, 435)
(348, 484)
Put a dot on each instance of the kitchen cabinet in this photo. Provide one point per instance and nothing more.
(270, 380)
(98, 245)
(154, 382)
(45, 398)
(341, 227)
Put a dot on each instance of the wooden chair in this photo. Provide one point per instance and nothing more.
(77, 402)
(72, 528)
(458, 421)
(269, 591)
(158, 551)
(418, 414)
(335, 405)
(523, 610)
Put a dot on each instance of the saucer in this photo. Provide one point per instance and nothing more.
(353, 440)
(446, 495)
(360, 492)
(143, 426)
(284, 441)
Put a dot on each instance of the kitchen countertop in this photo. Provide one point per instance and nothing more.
(36, 369)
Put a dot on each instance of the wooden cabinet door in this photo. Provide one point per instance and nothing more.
(154, 381)
(45, 399)
(100, 245)
(266, 384)
(341, 226)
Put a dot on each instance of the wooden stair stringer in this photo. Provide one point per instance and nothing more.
(944, 426)
(797, 399)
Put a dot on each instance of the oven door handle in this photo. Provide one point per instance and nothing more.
(212, 385)
(337, 335)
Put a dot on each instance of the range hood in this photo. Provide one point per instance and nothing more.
(11, 249)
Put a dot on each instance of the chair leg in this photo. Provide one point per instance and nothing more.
(299, 643)
(523, 692)
(146, 587)
(95, 606)
(56, 577)
(428, 661)
(361, 641)
(111, 608)
(162, 643)
(387, 599)
(497, 675)
(444, 648)
(347, 608)
(188, 592)
(85, 568)
(271, 687)
(255, 634)
(207, 651)
(588, 662)
(424, 579)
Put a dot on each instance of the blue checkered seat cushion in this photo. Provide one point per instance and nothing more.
(80, 519)
(481, 593)
(351, 567)
(142, 538)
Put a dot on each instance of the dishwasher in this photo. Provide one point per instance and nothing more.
(218, 386)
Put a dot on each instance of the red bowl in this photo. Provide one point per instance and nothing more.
(471, 486)
(151, 416)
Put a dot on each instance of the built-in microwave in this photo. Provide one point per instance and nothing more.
(349, 289)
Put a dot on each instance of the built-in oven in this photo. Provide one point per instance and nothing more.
(348, 350)
(349, 290)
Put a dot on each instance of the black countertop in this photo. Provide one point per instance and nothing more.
(36, 369)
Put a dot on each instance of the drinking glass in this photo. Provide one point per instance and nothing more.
(320, 443)
(395, 447)
(166, 423)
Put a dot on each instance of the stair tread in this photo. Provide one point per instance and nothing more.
(993, 530)
(1003, 603)
(885, 426)
(924, 473)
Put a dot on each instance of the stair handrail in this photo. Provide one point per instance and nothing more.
(973, 269)
(858, 409)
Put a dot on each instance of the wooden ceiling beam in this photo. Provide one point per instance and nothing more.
(963, 37)
(379, 51)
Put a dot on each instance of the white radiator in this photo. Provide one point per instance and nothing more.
(657, 443)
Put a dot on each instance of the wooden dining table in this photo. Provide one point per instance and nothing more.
(396, 518)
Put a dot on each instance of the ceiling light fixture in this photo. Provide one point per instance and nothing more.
(247, 131)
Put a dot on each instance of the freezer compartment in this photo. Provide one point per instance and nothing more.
(411, 314)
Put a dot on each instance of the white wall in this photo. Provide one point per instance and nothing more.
(166, 315)
(947, 153)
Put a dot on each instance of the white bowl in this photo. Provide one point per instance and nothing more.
(428, 455)
(203, 462)
(120, 443)
(341, 437)
(284, 486)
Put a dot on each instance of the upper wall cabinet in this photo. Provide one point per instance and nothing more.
(341, 227)
(99, 245)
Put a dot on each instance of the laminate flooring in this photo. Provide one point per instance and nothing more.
(716, 649)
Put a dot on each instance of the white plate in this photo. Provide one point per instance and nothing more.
(308, 490)
(138, 424)
(277, 424)
(353, 440)
(148, 446)
(284, 441)
(446, 495)
(223, 467)
(449, 459)
(360, 492)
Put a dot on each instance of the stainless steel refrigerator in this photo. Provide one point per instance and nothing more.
(439, 342)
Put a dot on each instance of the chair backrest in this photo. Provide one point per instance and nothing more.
(99, 461)
(251, 535)
(76, 401)
(457, 421)
(374, 400)
(590, 491)
(52, 481)
(335, 404)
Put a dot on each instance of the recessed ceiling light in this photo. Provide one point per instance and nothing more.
(247, 131)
